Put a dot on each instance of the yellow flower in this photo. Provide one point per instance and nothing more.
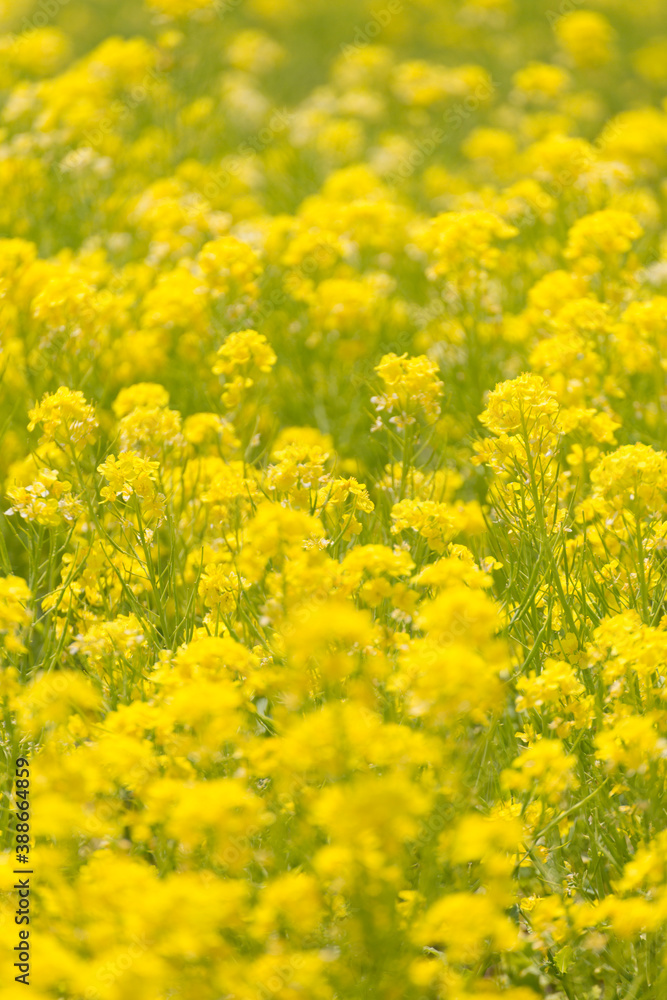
(468, 925)
(465, 240)
(632, 478)
(545, 769)
(65, 417)
(142, 394)
(14, 615)
(411, 385)
(602, 236)
(541, 80)
(524, 405)
(586, 36)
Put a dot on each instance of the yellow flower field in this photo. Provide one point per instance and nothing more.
(333, 562)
